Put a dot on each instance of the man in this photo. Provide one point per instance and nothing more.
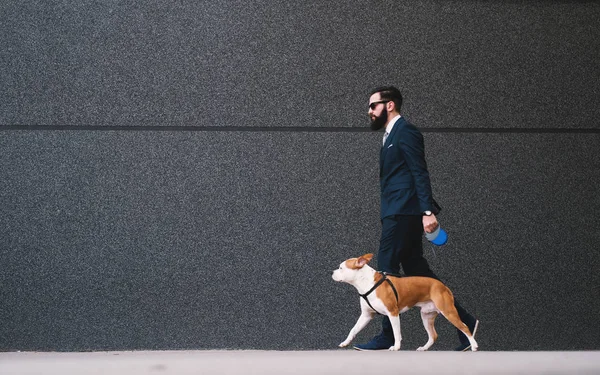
(407, 204)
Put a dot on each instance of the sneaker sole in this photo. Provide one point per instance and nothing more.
(366, 350)
(476, 326)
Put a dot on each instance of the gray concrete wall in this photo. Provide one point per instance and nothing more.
(151, 199)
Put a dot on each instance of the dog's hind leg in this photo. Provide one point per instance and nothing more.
(444, 301)
(428, 318)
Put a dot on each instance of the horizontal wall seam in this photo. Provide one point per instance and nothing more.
(298, 129)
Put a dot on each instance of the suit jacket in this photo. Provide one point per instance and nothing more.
(403, 175)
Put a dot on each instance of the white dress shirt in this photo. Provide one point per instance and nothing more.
(389, 127)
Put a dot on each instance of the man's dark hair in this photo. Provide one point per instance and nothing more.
(389, 93)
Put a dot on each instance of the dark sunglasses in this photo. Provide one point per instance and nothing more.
(374, 104)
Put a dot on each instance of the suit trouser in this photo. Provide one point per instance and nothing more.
(401, 245)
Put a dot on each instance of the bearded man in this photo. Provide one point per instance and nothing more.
(407, 205)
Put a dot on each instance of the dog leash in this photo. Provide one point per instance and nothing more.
(433, 251)
(381, 281)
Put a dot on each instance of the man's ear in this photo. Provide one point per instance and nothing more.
(390, 106)
(363, 260)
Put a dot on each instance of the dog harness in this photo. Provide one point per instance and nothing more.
(381, 281)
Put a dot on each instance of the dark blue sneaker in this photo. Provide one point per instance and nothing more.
(379, 342)
(464, 341)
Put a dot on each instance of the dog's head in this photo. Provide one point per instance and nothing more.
(350, 268)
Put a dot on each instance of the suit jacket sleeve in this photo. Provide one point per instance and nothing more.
(413, 148)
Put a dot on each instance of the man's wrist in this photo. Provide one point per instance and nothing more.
(427, 213)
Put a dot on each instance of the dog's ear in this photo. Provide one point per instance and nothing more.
(363, 260)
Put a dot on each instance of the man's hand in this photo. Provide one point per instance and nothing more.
(430, 223)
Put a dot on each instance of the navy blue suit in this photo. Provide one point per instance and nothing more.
(405, 195)
(404, 179)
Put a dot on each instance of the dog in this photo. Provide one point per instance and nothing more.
(391, 296)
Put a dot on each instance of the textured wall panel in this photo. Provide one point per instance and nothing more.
(159, 240)
(147, 240)
(309, 63)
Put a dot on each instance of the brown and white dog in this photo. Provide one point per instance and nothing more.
(429, 294)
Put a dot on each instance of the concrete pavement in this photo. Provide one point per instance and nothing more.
(299, 362)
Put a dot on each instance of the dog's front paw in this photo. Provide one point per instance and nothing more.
(421, 349)
(395, 348)
(344, 344)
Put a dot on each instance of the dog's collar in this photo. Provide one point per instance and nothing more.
(381, 281)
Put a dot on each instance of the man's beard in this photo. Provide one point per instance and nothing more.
(380, 121)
